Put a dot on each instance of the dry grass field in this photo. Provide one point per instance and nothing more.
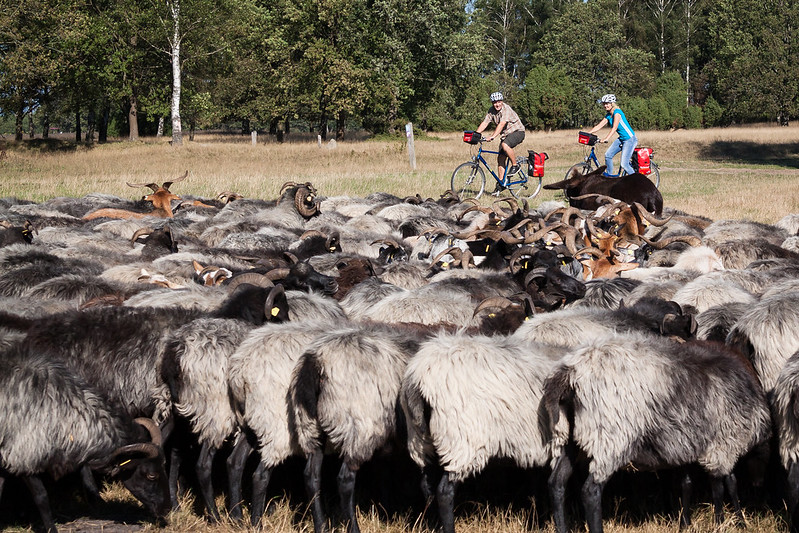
(733, 173)
(738, 172)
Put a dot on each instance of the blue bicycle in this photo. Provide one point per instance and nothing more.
(640, 161)
(469, 179)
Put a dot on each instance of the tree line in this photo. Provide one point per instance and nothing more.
(132, 67)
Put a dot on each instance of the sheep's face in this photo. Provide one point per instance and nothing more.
(146, 479)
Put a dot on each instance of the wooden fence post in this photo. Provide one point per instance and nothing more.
(254, 135)
(411, 149)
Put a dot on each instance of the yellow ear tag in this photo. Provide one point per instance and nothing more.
(525, 264)
(444, 265)
(491, 315)
(527, 319)
(275, 311)
(123, 463)
(487, 247)
(617, 212)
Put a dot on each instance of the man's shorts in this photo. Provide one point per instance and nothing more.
(512, 140)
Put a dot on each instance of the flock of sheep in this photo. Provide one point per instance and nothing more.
(138, 337)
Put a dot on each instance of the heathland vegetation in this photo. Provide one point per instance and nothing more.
(101, 69)
(734, 173)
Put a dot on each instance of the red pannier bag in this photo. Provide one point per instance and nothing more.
(641, 157)
(536, 163)
(471, 137)
(587, 138)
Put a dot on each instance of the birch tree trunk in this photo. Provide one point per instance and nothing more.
(133, 119)
(177, 131)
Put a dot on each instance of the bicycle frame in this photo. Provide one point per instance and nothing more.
(504, 182)
(591, 157)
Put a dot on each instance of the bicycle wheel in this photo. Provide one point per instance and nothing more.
(655, 174)
(468, 180)
(526, 189)
(581, 169)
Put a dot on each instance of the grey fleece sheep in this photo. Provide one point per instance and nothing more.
(344, 395)
(635, 398)
(785, 410)
(260, 373)
(468, 399)
(196, 369)
(53, 422)
(768, 334)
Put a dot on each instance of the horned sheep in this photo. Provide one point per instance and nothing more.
(54, 422)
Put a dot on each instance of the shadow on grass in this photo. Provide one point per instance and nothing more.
(751, 152)
(50, 145)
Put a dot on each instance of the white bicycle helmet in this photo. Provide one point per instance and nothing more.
(607, 99)
(496, 97)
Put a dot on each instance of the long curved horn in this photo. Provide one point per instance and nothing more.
(591, 250)
(600, 198)
(304, 202)
(652, 219)
(253, 278)
(153, 186)
(312, 233)
(693, 240)
(387, 242)
(168, 184)
(454, 251)
(152, 429)
(517, 254)
(495, 301)
(569, 234)
(535, 273)
(269, 305)
(139, 232)
(287, 185)
(277, 273)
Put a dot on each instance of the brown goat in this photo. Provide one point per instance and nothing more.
(161, 198)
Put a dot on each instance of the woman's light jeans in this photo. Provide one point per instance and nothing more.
(626, 148)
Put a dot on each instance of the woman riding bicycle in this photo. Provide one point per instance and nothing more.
(625, 143)
(509, 128)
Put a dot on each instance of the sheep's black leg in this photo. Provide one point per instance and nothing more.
(174, 473)
(39, 493)
(731, 484)
(2, 482)
(717, 493)
(793, 497)
(260, 481)
(90, 484)
(431, 476)
(204, 476)
(686, 495)
(166, 428)
(446, 503)
(313, 489)
(236, 462)
(561, 472)
(592, 502)
(346, 492)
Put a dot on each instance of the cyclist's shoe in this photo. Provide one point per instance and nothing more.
(514, 169)
(497, 190)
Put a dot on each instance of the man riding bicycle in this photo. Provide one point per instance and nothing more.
(626, 142)
(510, 130)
